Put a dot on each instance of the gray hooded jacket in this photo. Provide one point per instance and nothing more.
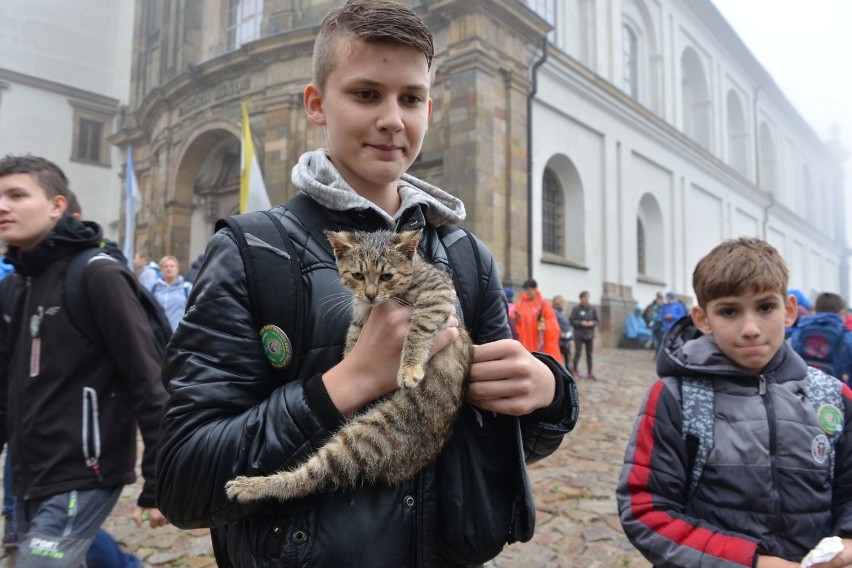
(766, 489)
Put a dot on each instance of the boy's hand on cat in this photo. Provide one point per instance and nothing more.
(370, 370)
(507, 379)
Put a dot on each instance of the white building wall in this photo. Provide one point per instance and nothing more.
(53, 54)
(624, 158)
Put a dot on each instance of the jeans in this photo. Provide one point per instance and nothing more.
(57, 531)
(8, 495)
(105, 553)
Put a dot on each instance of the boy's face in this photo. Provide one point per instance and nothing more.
(375, 108)
(749, 329)
(27, 215)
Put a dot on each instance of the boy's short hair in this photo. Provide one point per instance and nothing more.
(738, 266)
(829, 303)
(372, 21)
(530, 283)
(48, 175)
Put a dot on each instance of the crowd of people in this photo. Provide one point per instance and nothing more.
(739, 456)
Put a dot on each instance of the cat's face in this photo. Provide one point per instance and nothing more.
(375, 266)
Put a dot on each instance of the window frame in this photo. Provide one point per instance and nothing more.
(553, 213)
(87, 115)
(244, 23)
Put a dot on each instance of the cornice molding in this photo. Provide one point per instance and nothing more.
(7, 77)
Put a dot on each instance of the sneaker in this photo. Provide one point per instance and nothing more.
(576, 373)
(591, 376)
(10, 538)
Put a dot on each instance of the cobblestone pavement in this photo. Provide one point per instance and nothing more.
(577, 521)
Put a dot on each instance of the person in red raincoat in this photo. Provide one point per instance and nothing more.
(535, 320)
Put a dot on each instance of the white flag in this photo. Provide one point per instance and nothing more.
(132, 203)
(253, 196)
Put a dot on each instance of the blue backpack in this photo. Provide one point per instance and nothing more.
(821, 341)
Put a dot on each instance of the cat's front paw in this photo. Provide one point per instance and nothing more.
(410, 377)
(244, 489)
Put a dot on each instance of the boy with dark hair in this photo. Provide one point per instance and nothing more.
(741, 454)
(230, 415)
(69, 409)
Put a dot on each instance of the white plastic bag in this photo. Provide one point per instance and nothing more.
(827, 549)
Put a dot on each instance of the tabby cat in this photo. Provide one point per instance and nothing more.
(403, 433)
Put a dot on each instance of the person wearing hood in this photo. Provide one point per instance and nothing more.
(536, 322)
(69, 409)
(737, 457)
(635, 327)
(803, 308)
(230, 415)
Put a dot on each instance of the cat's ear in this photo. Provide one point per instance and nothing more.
(409, 241)
(340, 242)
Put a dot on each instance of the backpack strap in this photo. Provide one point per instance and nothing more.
(698, 400)
(463, 253)
(276, 292)
(826, 392)
(698, 407)
(7, 302)
(75, 299)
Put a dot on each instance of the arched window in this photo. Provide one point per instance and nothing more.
(737, 134)
(630, 64)
(806, 199)
(768, 160)
(553, 200)
(697, 106)
(641, 63)
(650, 239)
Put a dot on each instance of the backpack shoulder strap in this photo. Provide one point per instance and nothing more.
(826, 393)
(7, 303)
(275, 292)
(698, 408)
(463, 251)
(75, 298)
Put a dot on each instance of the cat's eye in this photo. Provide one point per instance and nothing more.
(385, 277)
(357, 275)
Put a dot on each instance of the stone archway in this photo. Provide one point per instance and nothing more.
(208, 179)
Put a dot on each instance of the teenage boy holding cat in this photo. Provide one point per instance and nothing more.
(227, 417)
(741, 454)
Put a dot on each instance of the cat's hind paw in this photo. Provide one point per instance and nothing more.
(410, 377)
(244, 489)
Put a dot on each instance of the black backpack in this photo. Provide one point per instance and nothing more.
(76, 301)
(80, 312)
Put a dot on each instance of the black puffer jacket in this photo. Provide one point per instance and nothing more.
(227, 417)
(42, 415)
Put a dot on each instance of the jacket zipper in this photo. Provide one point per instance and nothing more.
(22, 387)
(91, 432)
(773, 448)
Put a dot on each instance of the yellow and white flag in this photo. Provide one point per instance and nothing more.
(253, 196)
